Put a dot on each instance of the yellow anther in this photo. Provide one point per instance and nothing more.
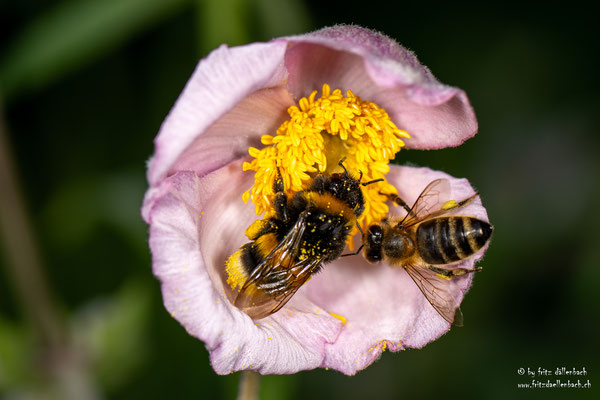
(318, 134)
(340, 317)
(246, 196)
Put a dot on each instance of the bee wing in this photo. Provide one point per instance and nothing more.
(438, 291)
(429, 202)
(275, 280)
(301, 272)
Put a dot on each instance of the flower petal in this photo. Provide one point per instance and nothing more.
(220, 82)
(230, 137)
(382, 305)
(378, 69)
(237, 94)
(195, 224)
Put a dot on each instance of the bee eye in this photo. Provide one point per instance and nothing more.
(375, 234)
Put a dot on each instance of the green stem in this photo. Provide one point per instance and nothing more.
(60, 364)
(22, 256)
(249, 383)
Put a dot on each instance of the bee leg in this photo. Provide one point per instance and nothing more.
(448, 273)
(452, 204)
(280, 201)
(355, 253)
(399, 202)
(467, 200)
(361, 246)
(463, 271)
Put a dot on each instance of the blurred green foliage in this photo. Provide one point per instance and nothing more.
(86, 84)
(73, 33)
(113, 331)
(15, 347)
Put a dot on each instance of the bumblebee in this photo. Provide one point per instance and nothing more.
(308, 229)
(428, 242)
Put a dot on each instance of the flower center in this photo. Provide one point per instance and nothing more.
(319, 133)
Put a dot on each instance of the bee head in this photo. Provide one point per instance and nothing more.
(347, 189)
(372, 240)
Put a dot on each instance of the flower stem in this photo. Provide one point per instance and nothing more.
(22, 256)
(249, 383)
(55, 359)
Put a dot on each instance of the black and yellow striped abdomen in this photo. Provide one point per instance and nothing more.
(450, 239)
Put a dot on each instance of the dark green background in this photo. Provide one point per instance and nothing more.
(85, 85)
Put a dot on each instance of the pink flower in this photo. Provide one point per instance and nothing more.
(352, 311)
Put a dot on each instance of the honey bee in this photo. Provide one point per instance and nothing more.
(308, 229)
(428, 242)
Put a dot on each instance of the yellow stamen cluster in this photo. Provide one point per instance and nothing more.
(319, 133)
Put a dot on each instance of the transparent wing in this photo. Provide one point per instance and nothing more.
(429, 201)
(299, 274)
(278, 277)
(438, 291)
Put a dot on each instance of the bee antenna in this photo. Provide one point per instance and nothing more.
(361, 231)
(373, 181)
(355, 253)
(341, 164)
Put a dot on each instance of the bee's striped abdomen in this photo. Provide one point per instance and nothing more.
(449, 239)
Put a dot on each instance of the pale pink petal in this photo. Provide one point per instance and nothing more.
(382, 304)
(220, 82)
(195, 224)
(238, 94)
(230, 137)
(378, 69)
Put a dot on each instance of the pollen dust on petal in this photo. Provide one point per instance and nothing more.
(340, 317)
